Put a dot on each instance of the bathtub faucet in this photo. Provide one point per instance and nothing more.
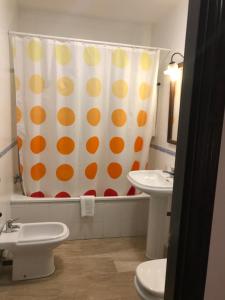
(9, 226)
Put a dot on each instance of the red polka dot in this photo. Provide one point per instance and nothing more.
(132, 191)
(110, 193)
(38, 194)
(90, 193)
(63, 195)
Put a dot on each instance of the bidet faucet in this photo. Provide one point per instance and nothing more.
(9, 226)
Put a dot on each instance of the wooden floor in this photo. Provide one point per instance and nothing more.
(85, 270)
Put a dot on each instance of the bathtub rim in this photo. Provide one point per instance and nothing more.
(17, 198)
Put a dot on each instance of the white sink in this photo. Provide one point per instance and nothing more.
(152, 181)
(159, 185)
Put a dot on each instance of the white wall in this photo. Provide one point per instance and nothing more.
(8, 21)
(216, 265)
(53, 23)
(170, 33)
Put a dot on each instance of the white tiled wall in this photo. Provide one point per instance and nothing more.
(112, 218)
(8, 21)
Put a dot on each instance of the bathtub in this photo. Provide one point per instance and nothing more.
(120, 216)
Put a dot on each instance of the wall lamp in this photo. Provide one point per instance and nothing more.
(173, 68)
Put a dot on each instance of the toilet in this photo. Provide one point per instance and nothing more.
(150, 279)
(32, 247)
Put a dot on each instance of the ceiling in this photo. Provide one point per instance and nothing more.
(141, 11)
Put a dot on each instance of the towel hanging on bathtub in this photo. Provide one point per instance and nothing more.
(87, 204)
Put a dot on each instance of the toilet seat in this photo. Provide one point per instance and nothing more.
(150, 279)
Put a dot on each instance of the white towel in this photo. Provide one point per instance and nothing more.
(87, 204)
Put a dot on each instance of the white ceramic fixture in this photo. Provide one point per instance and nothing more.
(159, 185)
(152, 182)
(31, 246)
(150, 279)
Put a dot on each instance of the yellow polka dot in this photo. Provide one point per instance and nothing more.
(37, 144)
(120, 58)
(114, 170)
(119, 117)
(18, 114)
(35, 50)
(144, 91)
(63, 54)
(65, 145)
(36, 84)
(91, 170)
(138, 145)
(19, 142)
(94, 87)
(92, 144)
(116, 145)
(37, 115)
(38, 171)
(146, 61)
(142, 118)
(64, 172)
(120, 88)
(66, 116)
(91, 56)
(65, 86)
(94, 116)
(17, 83)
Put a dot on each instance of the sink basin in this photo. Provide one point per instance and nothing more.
(152, 181)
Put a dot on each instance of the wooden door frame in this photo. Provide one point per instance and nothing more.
(198, 148)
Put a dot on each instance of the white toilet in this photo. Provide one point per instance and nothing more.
(31, 246)
(150, 279)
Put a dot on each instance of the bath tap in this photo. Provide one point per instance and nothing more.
(9, 226)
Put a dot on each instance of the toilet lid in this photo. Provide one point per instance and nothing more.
(152, 276)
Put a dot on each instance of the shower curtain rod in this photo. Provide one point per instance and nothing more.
(86, 41)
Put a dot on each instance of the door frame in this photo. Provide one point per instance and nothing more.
(198, 149)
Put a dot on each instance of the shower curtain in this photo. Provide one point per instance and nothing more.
(85, 115)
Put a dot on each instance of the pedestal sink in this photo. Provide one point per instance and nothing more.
(159, 185)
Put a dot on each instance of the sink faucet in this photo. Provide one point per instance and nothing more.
(171, 173)
(9, 226)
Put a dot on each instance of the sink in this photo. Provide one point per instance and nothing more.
(152, 182)
(159, 185)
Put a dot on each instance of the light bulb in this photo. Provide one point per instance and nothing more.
(172, 71)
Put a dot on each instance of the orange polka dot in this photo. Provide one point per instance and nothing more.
(135, 166)
(66, 116)
(92, 144)
(65, 86)
(91, 170)
(116, 145)
(144, 91)
(142, 118)
(37, 115)
(20, 169)
(38, 171)
(120, 89)
(65, 145)
(19, 142)
(37, 144)
(64, 172)
(138, 145)
(114, 170)
(18, 115)
(94, 116)
(119, 117)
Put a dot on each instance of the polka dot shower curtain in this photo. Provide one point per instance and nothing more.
(85, 115)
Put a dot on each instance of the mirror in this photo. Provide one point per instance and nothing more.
(174, 107)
